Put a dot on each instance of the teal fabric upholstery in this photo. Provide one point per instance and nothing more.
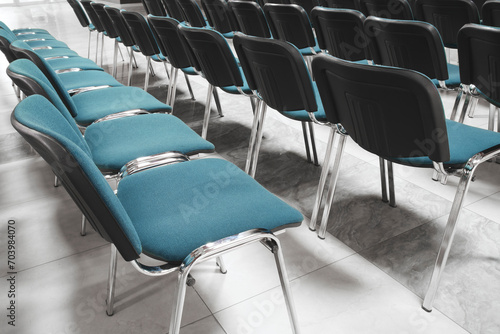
(57, 52)
(189, 70)
(37, 113)
(51, 43)
(178, 208)
(464, 141)
(73, 62)
(453, 77)
(302, 115)
(73, 80)
(114, 143)
(23, 30)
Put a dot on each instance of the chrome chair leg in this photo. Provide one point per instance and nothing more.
(189, 87)
(217, 102)
(222, 266)
(322, 180)
(130, 65)
(102, 48)
(457, 102)
(258, 144)
(468, 97)
(306, 140)
(56, 181)
(392, 193)
(121, 54)
(206, 117)
(475, 99)
(383, 180)
(313, 143)
(332, 186)
(83, 230)
(97, 47)
(135, 60)
(88, 49)
(253, 135)
(115, 56)
(172, 88)
(110, 300)
(491, 117)
(148, 65)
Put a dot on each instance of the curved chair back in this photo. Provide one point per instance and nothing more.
(173, 9)
(308, 5)
(155, 7)
(80, 14)
(277, 71)
(409, 44)
(120, 25)
(393, 9)
(290, 23)
(94, 18)
(6, 38)
(250, 17)
(219, 16)
(490, 13)
(343, 4)
(106, 21)
(448, 16)
(340, 31)
(141, 33)
(363, 99)
(192, 13)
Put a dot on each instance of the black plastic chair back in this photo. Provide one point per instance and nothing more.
(448, 16)
(343, 4)
(105, 20)
(219, 15)
(490, 13)
(120, 25)
(290, 23)
(391, 112)
(192, 13)
(94, 18)
(277, 71)
(479, 56)
(340, 31)
(155, 7)
(214, 56)
(250, 18)
(5, 40)
(80, 14)
(414, 45)
(387, 9)
(308, 5)
(173, 9)
(141, 32)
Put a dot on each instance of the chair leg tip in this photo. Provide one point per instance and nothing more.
(426, 310)
(83, 234)
(110, 314)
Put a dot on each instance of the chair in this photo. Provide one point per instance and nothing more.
(173, 10)
(490, 13)
(83, 19)
(277, 72)
(220, 17)
(393, 9)
(29, 34)
(136, 220)
(154, 7)
(392, 112)
(192, 13)
(41, 40)
(96, 22)
(308, 5)
(340, 32)
(250, 18)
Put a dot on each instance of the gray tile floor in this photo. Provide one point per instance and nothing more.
(368, 276)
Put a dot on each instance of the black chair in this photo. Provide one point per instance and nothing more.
(83, 19)
(173, 9)
(393, 9)
(308, 5)
(391, 112)
(250, 17)
(136, 220)
(220, 17)
(154, 7)
(192, 13)
(96, 22)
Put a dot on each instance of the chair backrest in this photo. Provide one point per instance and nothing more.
(169, 42)
(448, 16)
(80, 14)
(479, 56)
(343, 4)
(388, 9)
(106, 21)
(250, 17)
(49, 133)
(173, 9)
(6, 38)
(340, 31)
(141, 32)
(490, 13)
(192, 13)
(155, 7)
(414, 45)
(120, 25)
(290, 23)
(214, 56)
(277, 71)
(219, 15)
(94, 18)
(391, 112)
(308, 5)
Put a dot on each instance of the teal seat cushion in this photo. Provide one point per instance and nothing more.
(57, 52)
(114, 143)
(453, 77)
(178, 208)
(159, 57)
(302, 115)
(50, 43)
(96, 104)
(30, 30)
(189, 70)
(73, 80)
(73, 62)
(234, 90)
(36, 35)
(464, 141)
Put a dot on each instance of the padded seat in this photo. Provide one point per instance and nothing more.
(50, 43)
(233, 199)
(234, 90)
(57, 52)
(73, 62)
(75, 80)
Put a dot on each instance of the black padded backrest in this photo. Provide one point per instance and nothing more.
(105, 19)
(343, 4)
(290, 23)
(141, 32)
(80, 14)
(414, 45)
(120, 25)
(250, 18)
(5, 47)
(448, 16)
(479, 56)
(155, 7)
(340, 31)
(308, 5)
(214, 56)
(490, 12)
(219, 15)
(387, 9)
(167, 34)
(391, 112)
(277, 71)
(192, 13)
(86, 4)
(173, 9)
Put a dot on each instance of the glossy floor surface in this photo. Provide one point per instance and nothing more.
(368, 276)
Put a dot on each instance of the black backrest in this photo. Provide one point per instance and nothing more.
(448, 16)
(192, 13)
(308, 5)
(141, 32)
(277, 71)
(155, 7)
(391, 112)
(479, 56)
(120, 25)
(219, 15)
(86, 4)
(250, 18)
(290, 23)
(6, 38)
(340, 31)
(105, 19)
(80, 14)
(167, 34)
(490, 12)
(409, 44)
(388, 9)
(214, 56)
(344, 4)
(173, 9)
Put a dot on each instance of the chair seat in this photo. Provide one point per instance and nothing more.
(74, 80)
(73, 62)
(52, 43)
(230, 202)
(96, 104)
(36, 35)
(35, 30)
(57, 52)
(234, 89)
(114, 143)
(189, 70)
(464, 141)
(302, 115)
(453, 77)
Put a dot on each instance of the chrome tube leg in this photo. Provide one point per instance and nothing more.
(172, 87)
(97, 48)
(151, 69)
(392, 194)
(166, 69)
(222, 266)
(444, 248)
(461, 118)
(56, 181)
(102, 48)
(217, 102)
(90, 37)
(135, 60)
(175, 319)
(148, 64)
(383, 181)
(253, 136)
(306, 140)
(491, 118)
(110, 301)
(313, 143)
(322, 180)
(497, 111)
(83, 230)
(473, 106)
(189, 87)
(253, 103)
(457, 102)
(206, 117)
(332, 186)
(121, 54)
(115, 57)
(258, 144)
(130, 65)
(174, 90)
